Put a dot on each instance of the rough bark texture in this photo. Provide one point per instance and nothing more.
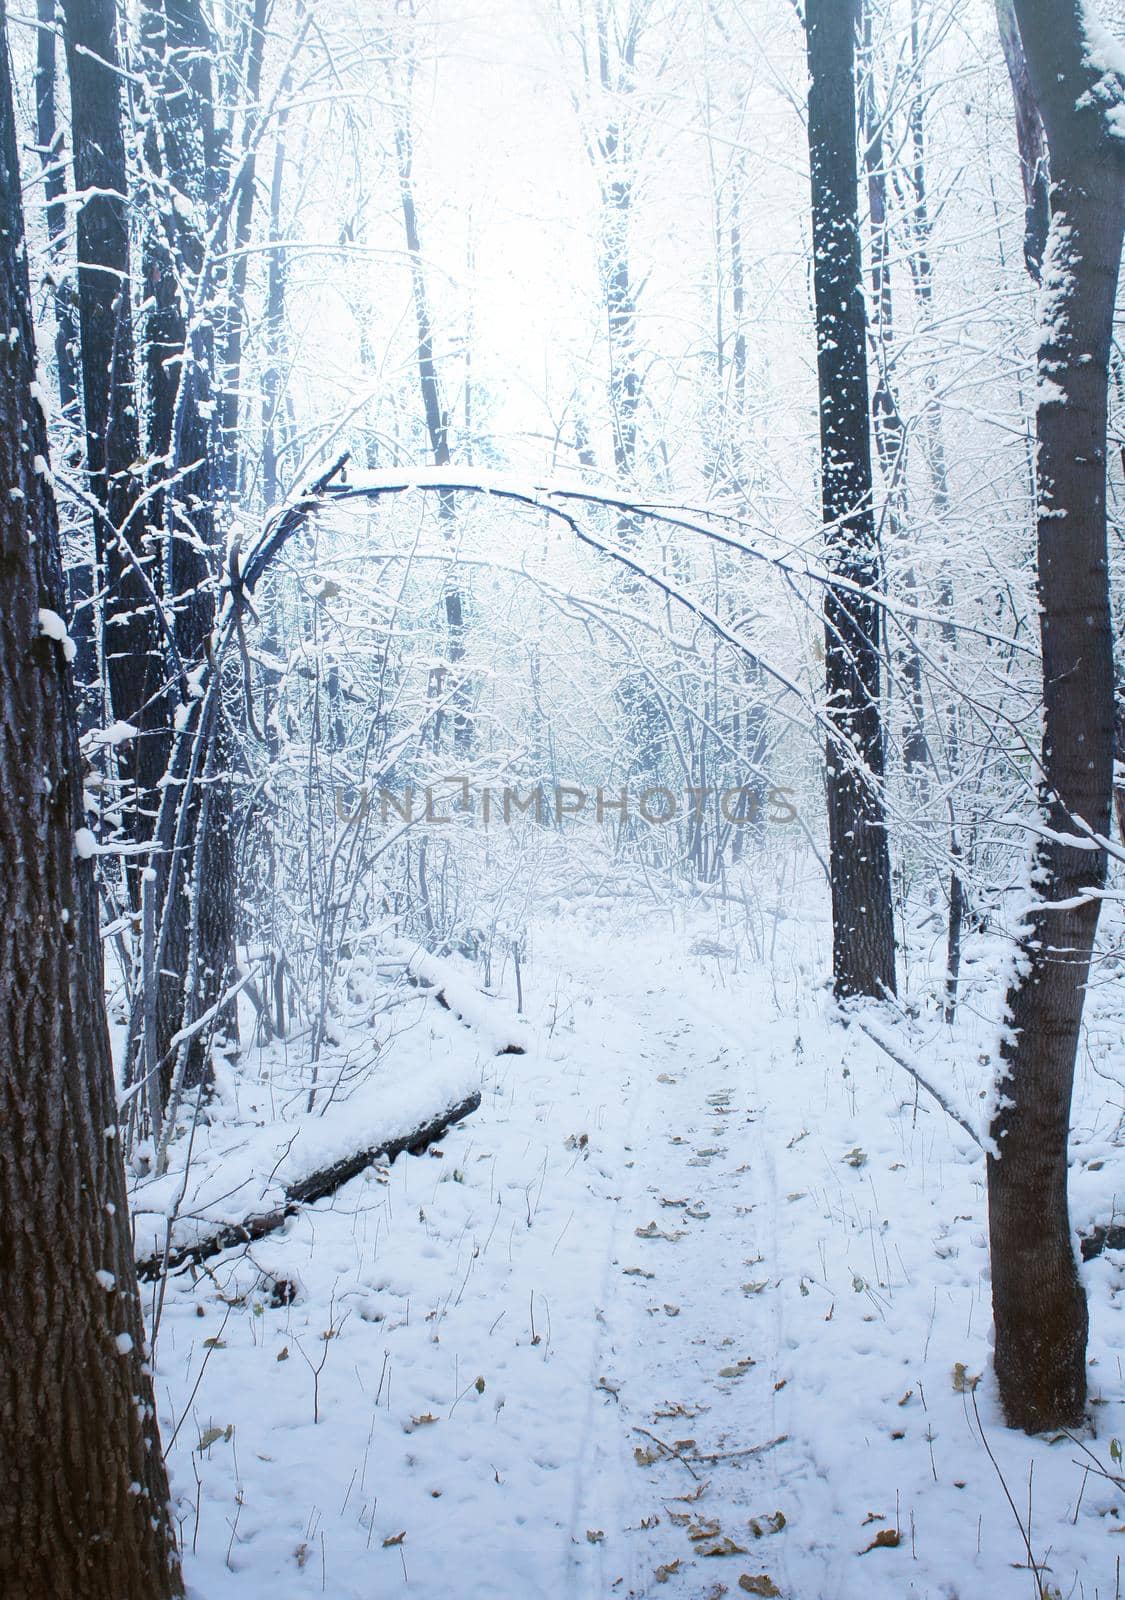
(863, 950)
(1039, 1305)
(83, 1493)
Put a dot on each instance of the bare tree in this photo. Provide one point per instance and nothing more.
(85, 1512)
(1039, 1304)
(863, 947)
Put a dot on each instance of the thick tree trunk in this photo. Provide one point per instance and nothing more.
(1039, 1305)
(134, 653)
(83, 1494)
(863, 949)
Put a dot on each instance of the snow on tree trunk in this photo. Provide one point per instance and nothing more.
(83, 1492)
(1039, 1305)
(863, 949)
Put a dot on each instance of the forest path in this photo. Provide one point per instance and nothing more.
(696, 1209)
(690, 1343)
(583, 1246)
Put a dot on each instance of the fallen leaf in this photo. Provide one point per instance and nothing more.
(722, 1547)
(885, 1539)
(705, 1528)
(394, 1538)
(595, 1536)
(761, 1526)
(426, 1417)
(662, 1574)
(739, 1370)
(651, 1231)
(762, 1584)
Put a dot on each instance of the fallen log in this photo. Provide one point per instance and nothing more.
(316, 1186)
(478, 1010)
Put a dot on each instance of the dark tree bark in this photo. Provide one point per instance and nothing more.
(83, 1493)
(185, 169)
(1031, 141)
(80, 570)
(133, 649)
(863, 948)
(1039, 1305)
(180, 148)
(889, 427)
(50, 140)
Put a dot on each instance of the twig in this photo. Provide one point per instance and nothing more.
(675, 1454)
(907, 1064)
(751, 1450)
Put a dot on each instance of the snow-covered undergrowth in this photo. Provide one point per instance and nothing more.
(694, 1304)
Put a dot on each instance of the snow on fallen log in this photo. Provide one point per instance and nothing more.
(248, 1182)
(505, 1033)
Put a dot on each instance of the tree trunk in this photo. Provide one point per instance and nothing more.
(133, 650)
(889, 427)
(184, 168)
(49, 137)
(863, 950)
(233, 316)
(437, 422)
(1039, 1305)
(83, 1493)
(1029, 137)
(80, 573)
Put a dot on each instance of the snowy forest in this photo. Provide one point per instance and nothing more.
(562, 799)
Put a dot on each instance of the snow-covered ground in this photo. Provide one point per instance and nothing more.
(693, 1305)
